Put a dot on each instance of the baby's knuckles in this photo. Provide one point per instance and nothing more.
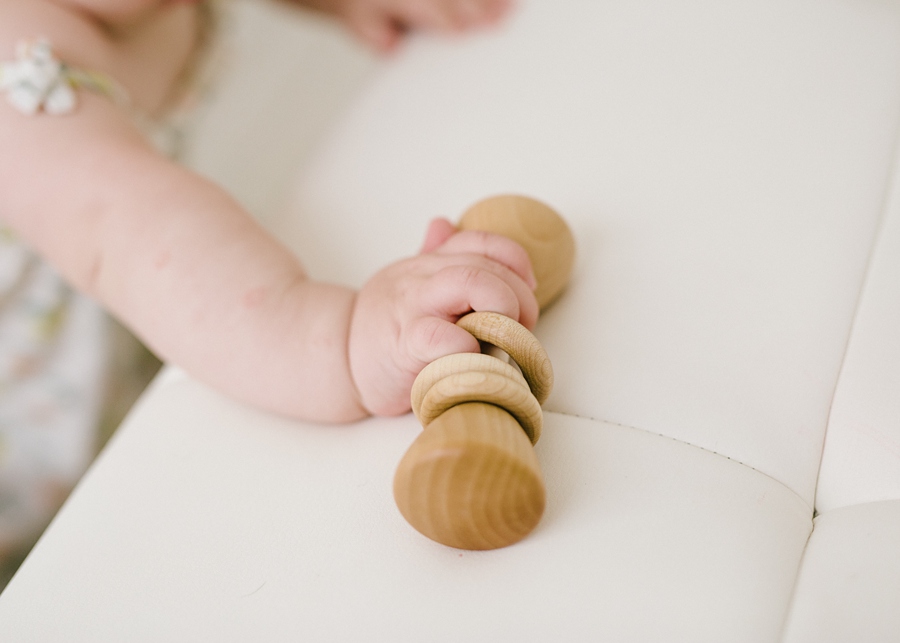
(396, 330)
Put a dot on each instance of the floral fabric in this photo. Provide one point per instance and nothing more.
(53, 355)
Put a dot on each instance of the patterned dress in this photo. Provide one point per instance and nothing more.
(54, 353)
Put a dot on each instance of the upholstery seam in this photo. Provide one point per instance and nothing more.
(690, 444)
(789, 611)
(792, 596)
(887, 201)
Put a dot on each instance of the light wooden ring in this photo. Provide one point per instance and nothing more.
(513, 338)
(511, 395)
(458, 363)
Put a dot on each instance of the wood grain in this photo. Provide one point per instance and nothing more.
(517, 342)
(536, 227)
(484, 386)
(471, 480)
(458, 363)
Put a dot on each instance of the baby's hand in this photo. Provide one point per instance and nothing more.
(404, 317)
(382, 23)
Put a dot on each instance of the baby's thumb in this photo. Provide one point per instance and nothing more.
(439, 230)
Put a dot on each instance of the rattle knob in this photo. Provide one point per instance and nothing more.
(536, 227)
(471, 479)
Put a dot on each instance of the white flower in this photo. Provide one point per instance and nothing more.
(36, 79)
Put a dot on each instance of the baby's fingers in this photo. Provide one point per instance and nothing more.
(459, 289)
(379, 32)
(472, 13)
(454, 15)
(495, 247)
(430, 338)
(439, 231)
(494, 10)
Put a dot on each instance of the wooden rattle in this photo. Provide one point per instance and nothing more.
(471, 479)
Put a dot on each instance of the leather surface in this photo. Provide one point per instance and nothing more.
(848, 588)
(724, 167)
(205, 520)
(861, 461)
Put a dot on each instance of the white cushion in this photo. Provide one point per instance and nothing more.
(206, 520)
(848, 588)
(723, 166)
(861, 461)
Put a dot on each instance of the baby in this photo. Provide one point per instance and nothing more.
(85, 196)
(181, 264)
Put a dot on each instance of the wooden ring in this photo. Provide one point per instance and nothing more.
(511, 395)
(458, 363)
(514, 339)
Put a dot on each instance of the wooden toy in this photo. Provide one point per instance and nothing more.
(471, 479)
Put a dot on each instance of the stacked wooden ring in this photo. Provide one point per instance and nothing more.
(472, 480)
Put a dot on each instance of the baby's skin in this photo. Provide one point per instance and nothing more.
(175, 258)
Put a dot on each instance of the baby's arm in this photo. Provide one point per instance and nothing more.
(193, 275)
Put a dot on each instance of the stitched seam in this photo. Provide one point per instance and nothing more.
(793, 597)
(887, 201)
(686, 443)
(891, 188)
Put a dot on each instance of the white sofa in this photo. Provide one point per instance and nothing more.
(722, 447)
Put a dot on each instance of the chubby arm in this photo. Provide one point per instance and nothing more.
(178, 261)
(191, 273)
